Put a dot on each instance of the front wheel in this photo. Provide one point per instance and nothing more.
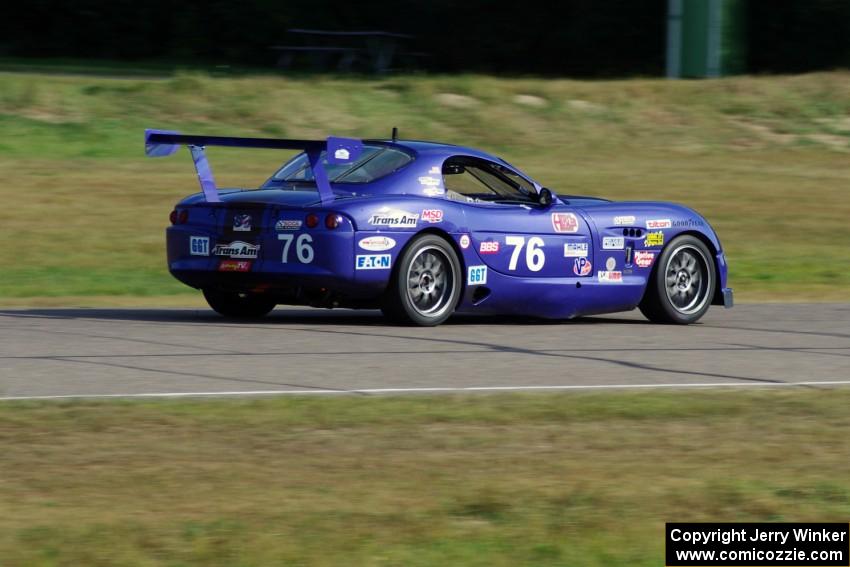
(239, 305)
(682, 283)
(426, 283)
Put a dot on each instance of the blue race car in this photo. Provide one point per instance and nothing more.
(422, 230)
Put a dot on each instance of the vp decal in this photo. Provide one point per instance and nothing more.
(582, 267)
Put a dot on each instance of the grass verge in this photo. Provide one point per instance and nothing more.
(764, 159)
(579, 479)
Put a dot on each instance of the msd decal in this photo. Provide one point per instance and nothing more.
(237, 249)
(376, 243)
(564, 222)
(393, 218)
(432, 215)
(658, 223)
(643, 259)
(582, 266)
(489, 247)
(242, 223)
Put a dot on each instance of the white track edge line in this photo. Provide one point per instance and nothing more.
(436, 389)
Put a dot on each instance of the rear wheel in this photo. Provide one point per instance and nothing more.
(239, 305)
(682, 283)
(426, 283)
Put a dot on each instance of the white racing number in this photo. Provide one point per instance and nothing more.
(303, 249)
(534, 256)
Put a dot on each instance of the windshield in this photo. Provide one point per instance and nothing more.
(374, 163)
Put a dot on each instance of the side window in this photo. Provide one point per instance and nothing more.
(475, 180)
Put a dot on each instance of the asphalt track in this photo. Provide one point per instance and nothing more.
(181, 352)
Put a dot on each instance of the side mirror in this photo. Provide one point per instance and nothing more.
(545, 198)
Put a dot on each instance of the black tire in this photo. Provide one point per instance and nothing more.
(426, 283)
(239, 305)
(682, 283)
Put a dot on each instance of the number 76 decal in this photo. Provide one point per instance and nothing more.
(534, 256)
(303, 250)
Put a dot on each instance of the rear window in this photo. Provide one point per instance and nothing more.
(374, 163)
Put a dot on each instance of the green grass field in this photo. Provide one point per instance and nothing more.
(543, 480)
(765, 159)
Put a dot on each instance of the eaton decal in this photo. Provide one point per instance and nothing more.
(199, 246)
(613, 243)
(237, 249)
(242, 223)
(376, 243)
(393, 218)
(582, 266)
(373, 262)
(655, 224)
(564, 222)
(489, 247)
(476, 275)
(610, 277)
(432, 215)
(575, 249)
(643, 259)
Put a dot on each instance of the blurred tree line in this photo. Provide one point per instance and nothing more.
(567, 38)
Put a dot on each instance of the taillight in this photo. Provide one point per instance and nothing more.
(312, 221)
(183, 217)
(332, 221)
(173, 216)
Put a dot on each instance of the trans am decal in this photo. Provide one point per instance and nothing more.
(237, 249)
(393, 218)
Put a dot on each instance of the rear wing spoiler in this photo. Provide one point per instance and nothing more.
(163, 143)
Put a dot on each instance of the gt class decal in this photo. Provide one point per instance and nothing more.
(393, 218)
(373, 262)
(582, 266)
(376, 243)
(643, 259)
(476, 275)
(564, 222)
(237, 249)
(199, 246)
(658, 223)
